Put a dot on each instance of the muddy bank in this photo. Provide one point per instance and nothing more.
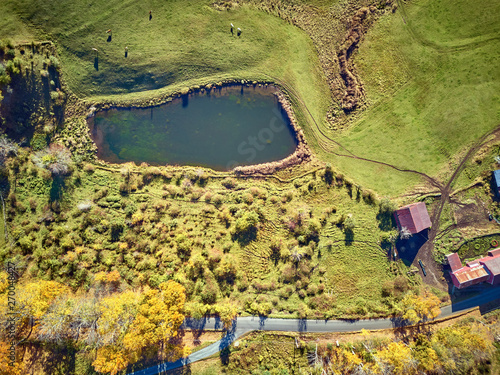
(302, 152)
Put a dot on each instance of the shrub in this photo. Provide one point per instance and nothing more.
(349, 223)
(4, 78)
(38, 141)
(229, 183)
(56, 159)
(248, 198)
(217, 200)
(11, 53)
(246, 223)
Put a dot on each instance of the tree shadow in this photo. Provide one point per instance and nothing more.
(348, 236)
(54, 359)
(57, 189)
(386, 221)
(244, 238)
(185, 100)
(196, 326)
(224, 346)
(302, 325)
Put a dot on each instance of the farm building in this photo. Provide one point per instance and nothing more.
(492, 265)
(496, 182)
(486, 269)
(413, 217)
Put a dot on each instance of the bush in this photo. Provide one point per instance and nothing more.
(229, 183)
(38, 141)
(4, 78)
(349, 223)
(246, 223)
(12, 68)
(11, 53)
(56, 159)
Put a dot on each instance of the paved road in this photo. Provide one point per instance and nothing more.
(254, 323)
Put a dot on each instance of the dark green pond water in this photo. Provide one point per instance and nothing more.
(231, 126)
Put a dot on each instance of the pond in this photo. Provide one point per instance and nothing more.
(223, 128)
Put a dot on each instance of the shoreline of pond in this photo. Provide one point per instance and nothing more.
(301, 154)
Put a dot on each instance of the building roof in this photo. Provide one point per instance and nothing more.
(494, 252)
(492, 264)
(467, 274)
(496, 177)
(454, 261)
(414, 217)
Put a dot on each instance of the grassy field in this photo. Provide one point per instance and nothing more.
(185, 43)
(432, 77)
(430, 70)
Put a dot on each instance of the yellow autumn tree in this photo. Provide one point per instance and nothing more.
(160, 314)
(116, 315)
(6, 361)
(424, 354)
(344, 361)
(117, 312)
(111, 359)
(34, 299)
(398, 358)
(227, 311)
(462, 347)
(420, 308)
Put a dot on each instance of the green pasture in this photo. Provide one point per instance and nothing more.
(432, 77)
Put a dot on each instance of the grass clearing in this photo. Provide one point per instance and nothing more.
(432, 90)
(184, 44)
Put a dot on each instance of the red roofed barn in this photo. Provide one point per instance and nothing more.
(486, 269)
(413, 217)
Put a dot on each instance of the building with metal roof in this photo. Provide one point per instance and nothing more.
(485, 269)
(496, 182)
(454, 262)
(492, 265)
(413, 217)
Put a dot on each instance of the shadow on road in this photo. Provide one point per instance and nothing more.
(224, 346)
(302, 325)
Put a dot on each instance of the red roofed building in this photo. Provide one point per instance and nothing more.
(454, 261)
(486, 269)
(467, 276)
(492, 265)
(413, 217)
